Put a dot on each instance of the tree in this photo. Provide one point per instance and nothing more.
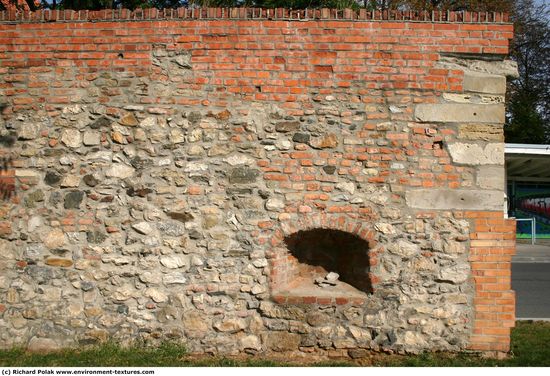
(457, 5)
(25, 5)
(529, 95)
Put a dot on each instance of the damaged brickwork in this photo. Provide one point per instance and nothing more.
(195, 177)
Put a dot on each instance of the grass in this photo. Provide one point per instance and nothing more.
(529, 348)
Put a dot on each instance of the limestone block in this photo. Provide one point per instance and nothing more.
(360, 334)
(481, 132)
(251, 342)
(449, 199)
(283, 341)
(476, 154)
(230, 325)
(413, 341)
(71, 138)
(70, 181)
(150, 278)
(473, 98)
(119, 171)
(404, 248)
(129, 120)
(239, 159)
(24, 173)
(460, 113)
(484, 83)
(28, 131)
(346, 187)
(508, 68)
(42, 345)
(274, 204)
(329, 140)
(143, 228)
(156, 295)
(490, 177)
(194, 324)
(456, 274)
(174, 279)
(54, 239)
(175, 261)
(99, 335)
(91, 138)
(385, 228)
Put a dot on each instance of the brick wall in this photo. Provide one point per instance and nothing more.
(240, 56)
(161, 158)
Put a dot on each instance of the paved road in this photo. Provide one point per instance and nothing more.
(531, 281)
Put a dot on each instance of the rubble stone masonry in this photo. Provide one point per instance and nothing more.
(194, 175)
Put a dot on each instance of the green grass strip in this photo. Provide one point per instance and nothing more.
(529, 349)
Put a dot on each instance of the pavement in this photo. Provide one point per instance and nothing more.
(527, 253)
(531, 281)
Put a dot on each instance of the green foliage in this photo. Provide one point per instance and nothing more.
(84, 4)
(471, 5)
(476, 5)
(525, 124)
(529, 95)
(105, 4)
(167, 354)
(301, 4)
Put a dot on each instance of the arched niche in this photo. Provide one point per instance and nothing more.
(312, 254)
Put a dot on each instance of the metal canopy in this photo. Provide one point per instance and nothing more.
(529, 163)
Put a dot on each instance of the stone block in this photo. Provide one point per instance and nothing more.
(460, 113)
(71, 138)
(449, 199)
(250, 342)
(283, 341)
(54, 239)
(42, 345)
(481, 132)
(476, 154)
(91, 138)
(484, 83)
(490, 177)
(56, 261)
(119, 171)
(473, 98)
(230, 325)
(195, 325)
(28, 131)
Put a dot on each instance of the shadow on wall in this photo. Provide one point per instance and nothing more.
(320, 251)
(7, 186)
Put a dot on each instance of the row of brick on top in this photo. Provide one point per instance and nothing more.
(137, 32)
(255, 13)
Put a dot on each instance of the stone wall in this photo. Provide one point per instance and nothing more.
(196, 176)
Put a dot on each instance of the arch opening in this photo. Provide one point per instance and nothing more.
(313, 254)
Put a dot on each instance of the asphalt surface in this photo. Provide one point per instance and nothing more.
(531, 281)
(532, 285)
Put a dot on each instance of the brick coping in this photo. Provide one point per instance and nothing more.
(251, 14)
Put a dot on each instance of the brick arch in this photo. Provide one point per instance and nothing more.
(283, 263)
(347, 223)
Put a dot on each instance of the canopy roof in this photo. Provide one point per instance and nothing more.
(525, 162)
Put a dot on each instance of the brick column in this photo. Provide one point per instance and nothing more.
(492, 246)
